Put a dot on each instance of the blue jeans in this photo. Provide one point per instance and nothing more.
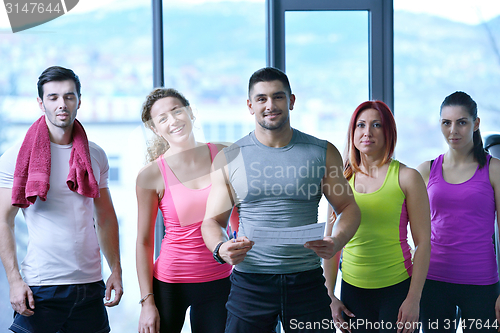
(77, 308)
(300, 300)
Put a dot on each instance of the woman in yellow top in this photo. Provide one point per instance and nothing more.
(381, 286)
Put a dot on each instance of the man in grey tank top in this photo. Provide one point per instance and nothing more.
(275, 177)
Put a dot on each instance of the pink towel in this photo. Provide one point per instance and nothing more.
(32, 172)
(81, 177)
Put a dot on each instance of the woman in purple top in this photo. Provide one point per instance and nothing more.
(464, 194)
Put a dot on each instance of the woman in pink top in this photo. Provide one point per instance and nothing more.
(177, 181)
(464, 194)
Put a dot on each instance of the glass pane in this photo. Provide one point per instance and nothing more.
(211, 50)
(109, 48)
(211, 61)
(327, 62)
(437, 52)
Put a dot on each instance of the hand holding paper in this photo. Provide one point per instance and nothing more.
(324, 248)
(292, 235)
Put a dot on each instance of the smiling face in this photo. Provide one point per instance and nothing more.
(458, 127)
(60, 104)
(172, 120)
(270, 103)
(368, 134)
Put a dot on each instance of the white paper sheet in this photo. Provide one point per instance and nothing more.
(292, 235)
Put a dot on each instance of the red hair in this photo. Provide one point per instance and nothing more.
(353, 158)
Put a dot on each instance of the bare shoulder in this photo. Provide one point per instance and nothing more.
(494, 172)
(424, 167)
(149, 177)
(407, 172)
(332, 154)
(409, 177)
(494, 163)
(425, 170)
(220, 146)
(220, 160)
(330, 146)
(334, 165)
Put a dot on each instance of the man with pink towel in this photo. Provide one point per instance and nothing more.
(60, 180)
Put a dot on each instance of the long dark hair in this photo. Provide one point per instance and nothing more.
(459, 98)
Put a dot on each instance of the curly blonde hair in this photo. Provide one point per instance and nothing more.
(158, 145)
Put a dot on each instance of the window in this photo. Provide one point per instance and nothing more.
(114, 168)
(109, 48)
(327, 61)
(211, 48)
(437, 51)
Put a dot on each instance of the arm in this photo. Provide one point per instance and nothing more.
(107, 234)
(340, 230)
(147, 204)
(425, 171)
(495, 183)
(417, 204)
(331, 267)
(234, 218)
(339, 194)
(20, 292)
(219, 205)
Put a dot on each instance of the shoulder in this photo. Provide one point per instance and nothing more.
(96, 151)
(407, 172)
(494, 172)
(409, 178)
(246, 140)
(11, 153)
(425, 169)
(494, 164)
(221, 160)
(331, 150)
(333, 158)
(424, 166)
(8, 162)
(302, 137)
(150, 177)
(228, 154)
(219, 146)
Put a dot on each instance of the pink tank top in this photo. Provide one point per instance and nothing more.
(184, 258)
(462, 228)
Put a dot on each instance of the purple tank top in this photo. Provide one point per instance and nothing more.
(462, 228)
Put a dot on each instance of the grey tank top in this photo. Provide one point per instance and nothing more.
(277, 187)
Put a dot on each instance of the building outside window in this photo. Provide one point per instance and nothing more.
(211, 49)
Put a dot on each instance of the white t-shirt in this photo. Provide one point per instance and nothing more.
(62, 243)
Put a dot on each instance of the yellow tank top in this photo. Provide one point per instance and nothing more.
(378, 255)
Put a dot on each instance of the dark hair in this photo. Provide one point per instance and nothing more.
(267, 74)
(353, 158)
(158, 145)
(57, 73)
(459, 98)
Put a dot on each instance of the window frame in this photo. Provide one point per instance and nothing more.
(381, 38)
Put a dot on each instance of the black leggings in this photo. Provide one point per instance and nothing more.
(440, 300)
(207, 300)
(376, 310)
